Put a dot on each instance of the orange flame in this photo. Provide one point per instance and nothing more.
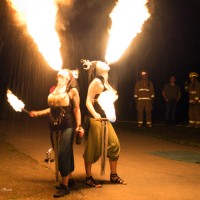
(106, 100)
(127, 18)
(17, 104)
(39, 16)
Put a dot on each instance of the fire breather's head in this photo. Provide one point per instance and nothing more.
(63, 73)
(95, 68)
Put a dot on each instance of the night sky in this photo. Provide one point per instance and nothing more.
(169, 44)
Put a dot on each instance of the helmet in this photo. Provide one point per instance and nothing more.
(143, 73)
(193, 74)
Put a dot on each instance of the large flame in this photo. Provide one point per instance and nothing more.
(127, 19)
(17, 104)
(39, 16)
(106, 100)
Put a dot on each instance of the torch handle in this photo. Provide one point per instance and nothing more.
(26, 111)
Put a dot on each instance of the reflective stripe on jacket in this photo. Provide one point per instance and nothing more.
(144, 90)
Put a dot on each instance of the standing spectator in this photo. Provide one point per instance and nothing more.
(171, 93)
(144, 96)
(193, 88)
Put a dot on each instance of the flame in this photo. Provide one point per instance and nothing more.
(39, 17)
(127, 19)
(106, 100)
(17, 104)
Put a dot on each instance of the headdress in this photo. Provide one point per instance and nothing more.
(75, 73)
(91, 67)
(86, 63)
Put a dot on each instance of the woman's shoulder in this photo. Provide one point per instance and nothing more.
(96, 84)
(101, 78)
(97, 81)
(73, 92)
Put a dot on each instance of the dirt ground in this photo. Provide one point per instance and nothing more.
(22, 177)
(25, 176)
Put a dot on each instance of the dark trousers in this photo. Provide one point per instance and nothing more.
(170, 112)
(65, 151)
(144, 106)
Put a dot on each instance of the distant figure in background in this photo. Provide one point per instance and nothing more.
(144, 96)
(64, 116)
(193, 88)
(98, 79)
(171, 93)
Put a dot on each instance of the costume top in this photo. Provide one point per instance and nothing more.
(60, 117)
(96, 105)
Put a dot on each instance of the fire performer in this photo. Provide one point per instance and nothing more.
(64, 112)
(98, 78)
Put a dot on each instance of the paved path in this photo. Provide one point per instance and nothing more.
(149, 177)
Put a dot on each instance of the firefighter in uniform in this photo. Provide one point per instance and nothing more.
(193, 88)
(144, 96)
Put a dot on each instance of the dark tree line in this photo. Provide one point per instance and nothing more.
(169, 44)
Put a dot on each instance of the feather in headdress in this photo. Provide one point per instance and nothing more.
(75, 73)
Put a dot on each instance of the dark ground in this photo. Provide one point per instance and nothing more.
(180, 134)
